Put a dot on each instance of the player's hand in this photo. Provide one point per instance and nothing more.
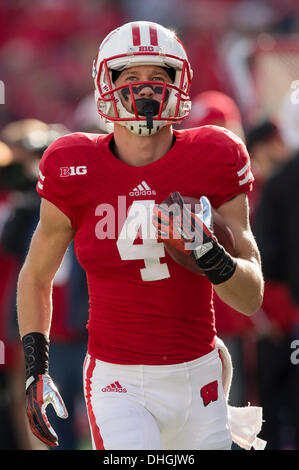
(41, 391)
(192, 234)
(178, 226)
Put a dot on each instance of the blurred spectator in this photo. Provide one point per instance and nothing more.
(17, 180)
(48, 86)
(289, 120)
(267, 150)
(276, 225)
(27, 140)
(166, 12)
(13, 430)
(87, 119)
(217, 108)
(215, 32)
(276, 319)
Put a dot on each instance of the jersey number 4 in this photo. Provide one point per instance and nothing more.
(139, 222)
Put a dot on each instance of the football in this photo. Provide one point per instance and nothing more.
(221, 230)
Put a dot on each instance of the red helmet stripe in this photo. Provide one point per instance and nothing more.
(136, 35)
(153, 35)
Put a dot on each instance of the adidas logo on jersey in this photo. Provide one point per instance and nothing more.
(115, 387)
(142, 189)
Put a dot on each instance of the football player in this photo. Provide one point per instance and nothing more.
(152, 374)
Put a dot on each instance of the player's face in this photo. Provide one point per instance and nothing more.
(142, 73)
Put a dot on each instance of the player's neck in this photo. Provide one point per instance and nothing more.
(139, 151)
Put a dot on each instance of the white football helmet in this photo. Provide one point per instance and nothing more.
(142, 43)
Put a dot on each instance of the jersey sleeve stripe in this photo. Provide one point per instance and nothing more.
(40, 185)
(244, 180)
(244, 169)
(42, 177)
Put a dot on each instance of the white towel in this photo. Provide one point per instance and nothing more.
(245, 422)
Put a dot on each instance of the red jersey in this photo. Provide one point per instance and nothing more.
(144, 307)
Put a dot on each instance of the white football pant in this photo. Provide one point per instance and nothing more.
(179, 406)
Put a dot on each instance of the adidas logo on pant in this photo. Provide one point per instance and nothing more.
(115, 387)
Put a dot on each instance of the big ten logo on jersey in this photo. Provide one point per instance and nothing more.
(209, 392)
(66, 171)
